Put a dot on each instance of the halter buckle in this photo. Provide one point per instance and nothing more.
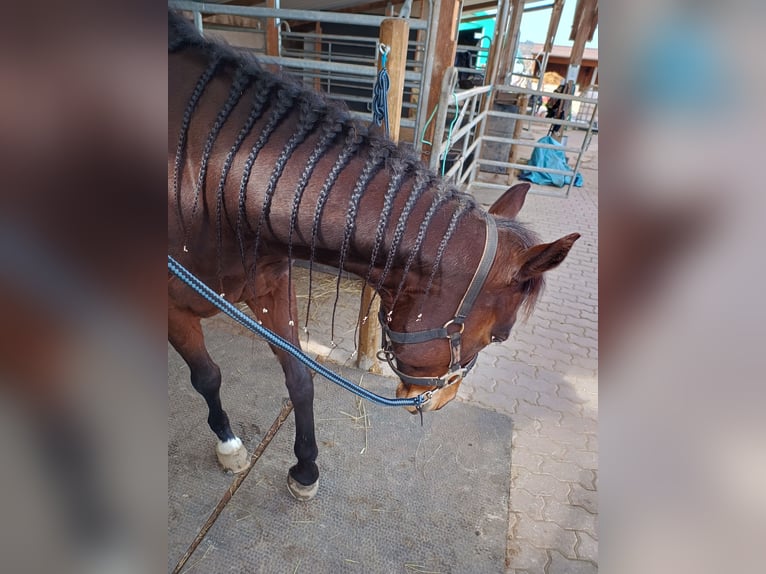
(451, 322)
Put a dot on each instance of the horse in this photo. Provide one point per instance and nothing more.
(262, 171)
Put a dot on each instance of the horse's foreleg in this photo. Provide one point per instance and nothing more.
(185, 334)
(303, 478)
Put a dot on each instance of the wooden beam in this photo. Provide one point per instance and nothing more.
(442, 58)
(394, 33)
(511, 41)
(587, 15)
(497, 41)
(553, 25)
(585, 25)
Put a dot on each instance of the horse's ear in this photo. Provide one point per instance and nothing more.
(544, 257)
(510, 203)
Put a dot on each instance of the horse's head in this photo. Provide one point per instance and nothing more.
(436, 339)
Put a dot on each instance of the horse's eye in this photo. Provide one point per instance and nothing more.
(497, 339)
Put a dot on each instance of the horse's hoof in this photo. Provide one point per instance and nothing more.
(299, 491)
(232, 455)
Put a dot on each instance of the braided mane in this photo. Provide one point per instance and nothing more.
(272, 98)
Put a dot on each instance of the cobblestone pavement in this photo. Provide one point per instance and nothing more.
(545, 377)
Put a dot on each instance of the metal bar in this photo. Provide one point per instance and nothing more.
(285, 13)
(524, 166)
(342, 39)
(531, 143)
(465, 94)
(582, 149)
(198, 21)
(530, 91)
(458, 135)
(472, 147)
(484, 104)
(536, 119)
(471, 121)
(238, 29)
(329, 66)
(440, 121)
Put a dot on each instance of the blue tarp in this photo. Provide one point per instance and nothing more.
(553, 159)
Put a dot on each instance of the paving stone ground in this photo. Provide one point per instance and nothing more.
(545, 376)
(552, 393)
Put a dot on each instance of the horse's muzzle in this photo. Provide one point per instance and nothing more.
(439, 397)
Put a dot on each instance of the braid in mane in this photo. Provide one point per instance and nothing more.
(379, 152)
(439, 200)
(262, 89)
(311, 109)
(356, 135)
(241, 80)
(422, 181)
(202, 83)
(332, 125)
(463, 207)
(399, 171)
(284, 101)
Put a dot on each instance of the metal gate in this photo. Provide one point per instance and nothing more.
(481, 141)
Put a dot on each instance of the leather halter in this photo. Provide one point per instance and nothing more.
(452, 330)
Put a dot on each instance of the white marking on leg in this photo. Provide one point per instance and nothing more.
(230, 446)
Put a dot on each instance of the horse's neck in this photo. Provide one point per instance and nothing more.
(345, 234)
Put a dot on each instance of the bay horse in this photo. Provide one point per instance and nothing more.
(262, 171)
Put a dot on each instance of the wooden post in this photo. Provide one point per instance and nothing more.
(553, 25)
(394, 33)
(511, 41)
(443, 58)
(582, 29)
(497, 42)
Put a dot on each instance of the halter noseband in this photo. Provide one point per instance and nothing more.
(452, 329)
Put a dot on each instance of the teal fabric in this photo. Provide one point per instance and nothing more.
(552, 159)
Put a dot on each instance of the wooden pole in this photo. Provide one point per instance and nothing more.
(394, 33)
(511, 41)
(497, 42)
(585, 22)
(553, 25)
(442, 58)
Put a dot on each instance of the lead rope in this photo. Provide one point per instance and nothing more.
(223, 305)
(380, 91)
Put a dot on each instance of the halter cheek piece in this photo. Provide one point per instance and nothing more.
(452, 329)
